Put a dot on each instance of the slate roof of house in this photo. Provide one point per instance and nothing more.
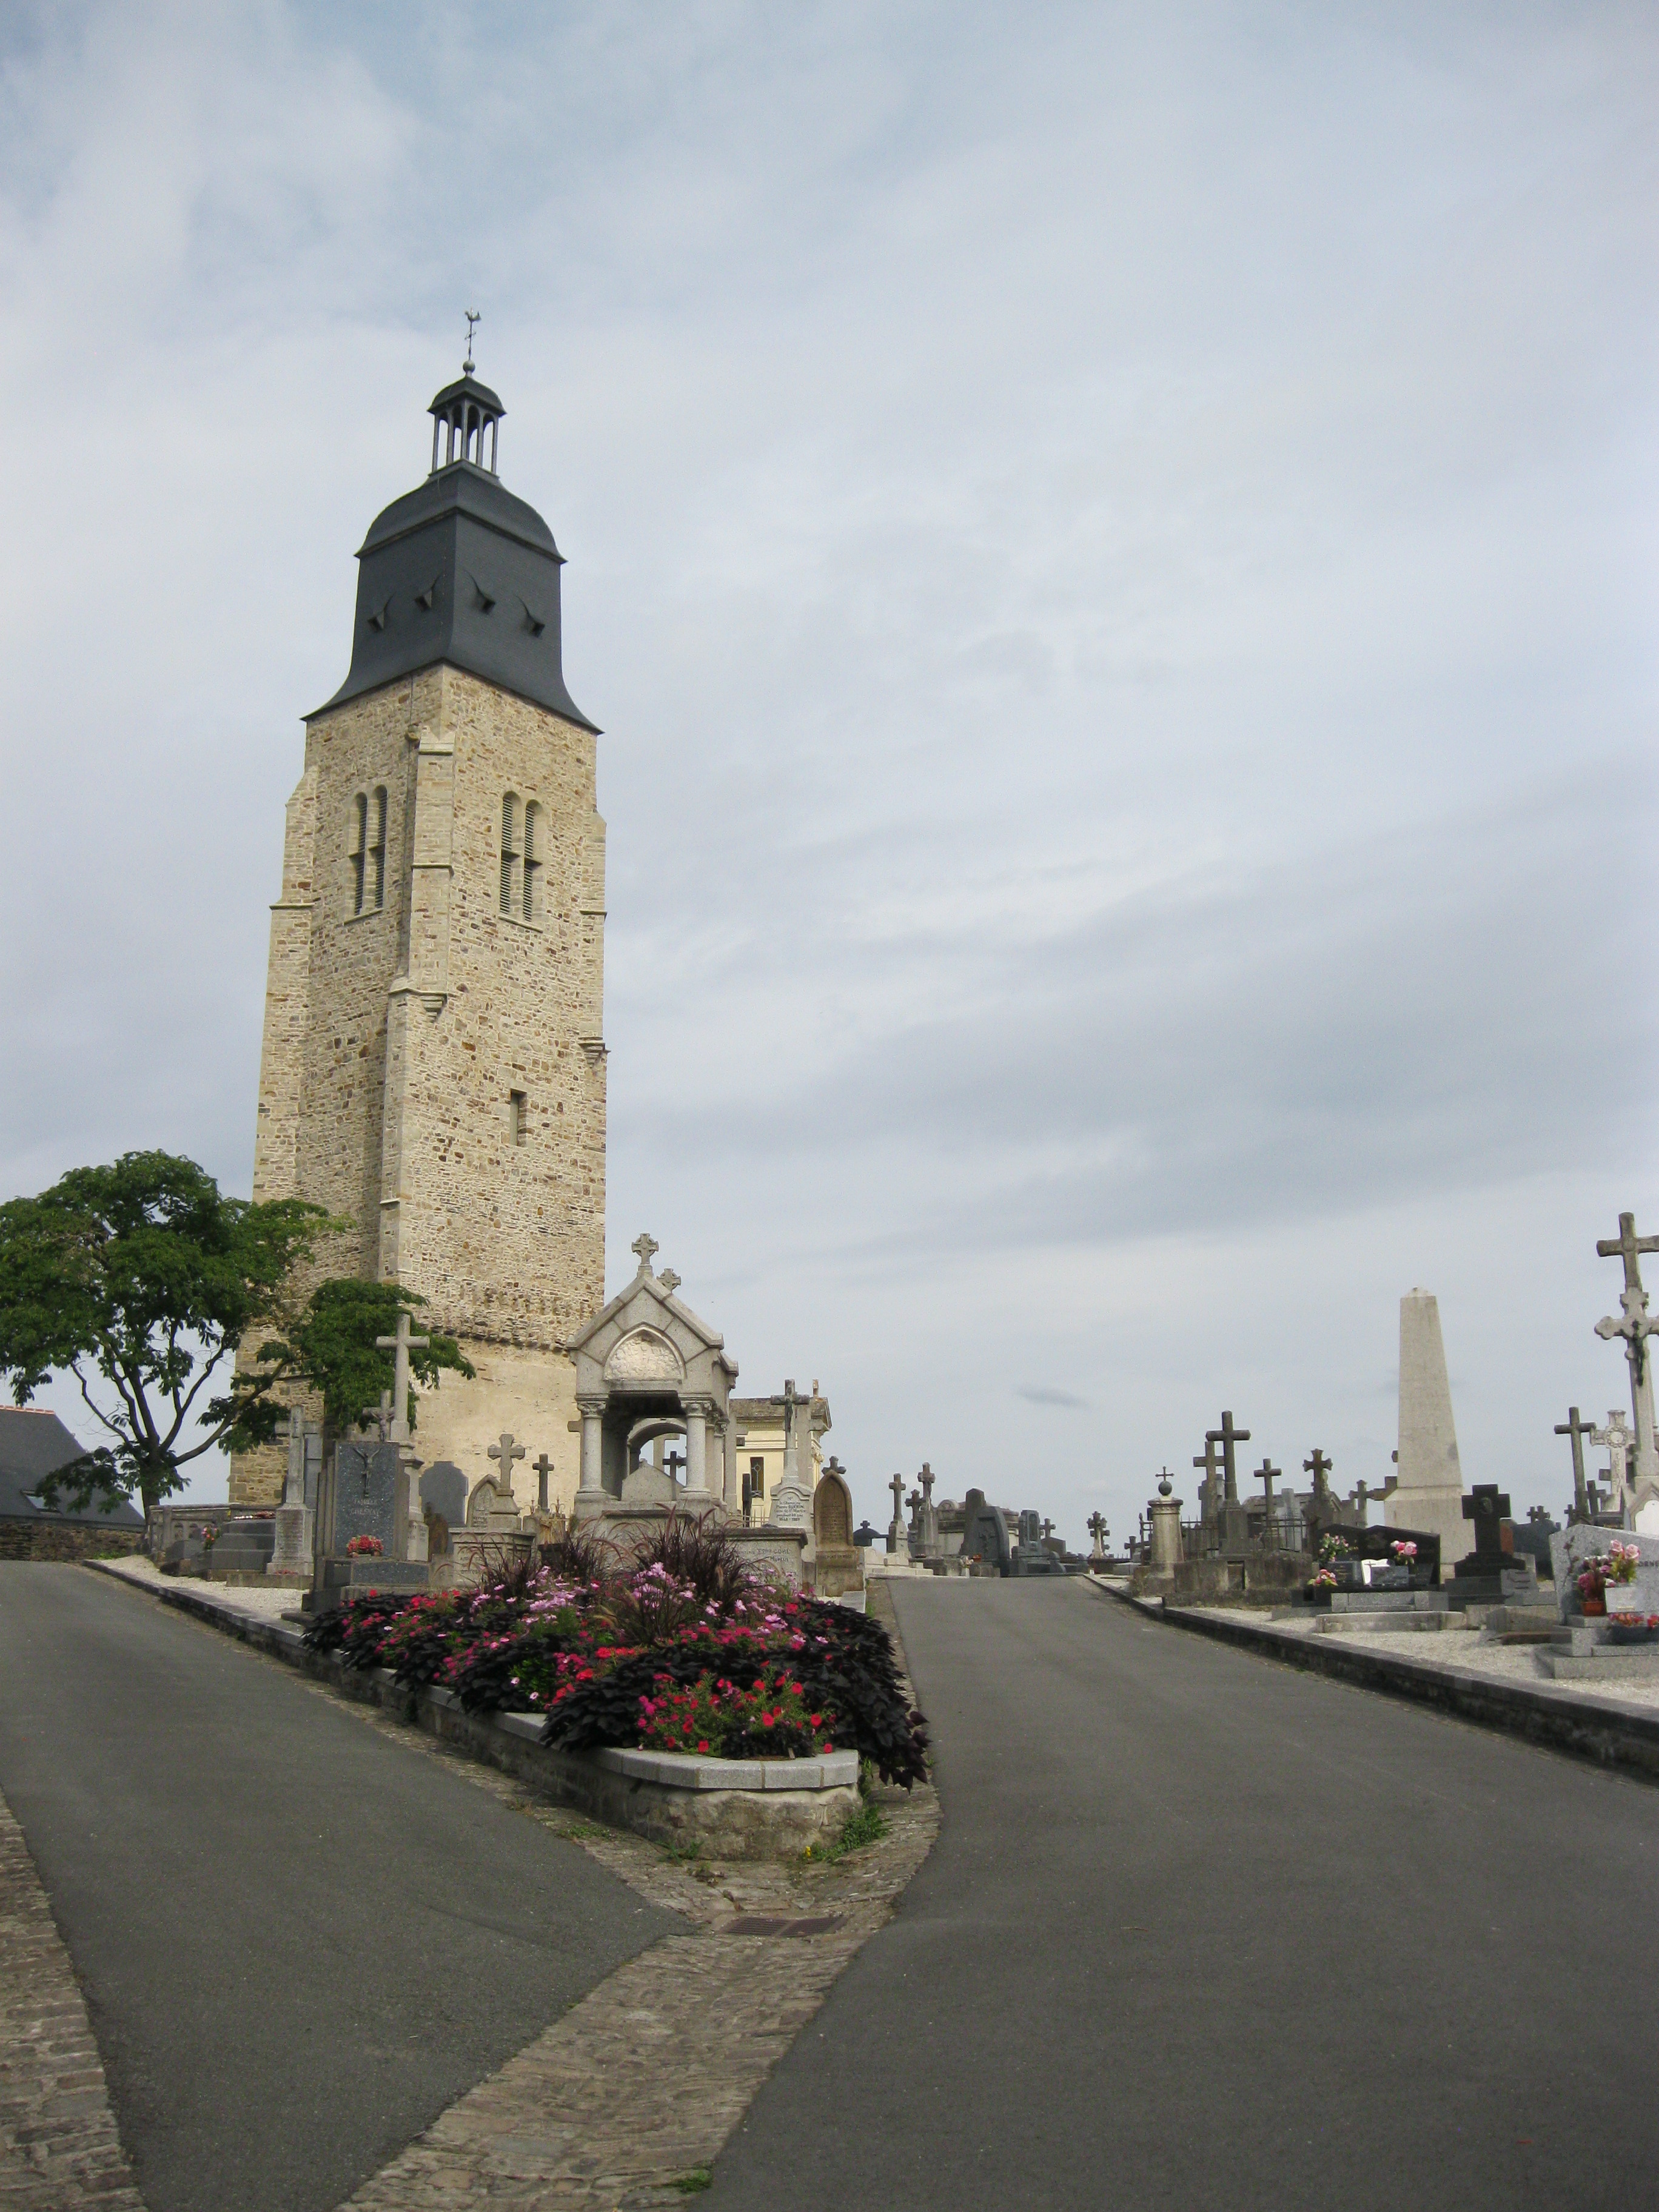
(32, 1444)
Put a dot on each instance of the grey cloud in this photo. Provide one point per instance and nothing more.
(1039, 1396)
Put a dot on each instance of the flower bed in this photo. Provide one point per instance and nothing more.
(685, 1652)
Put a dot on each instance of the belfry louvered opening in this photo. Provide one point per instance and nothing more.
(512, 855)
(533, 861)
(367, 850)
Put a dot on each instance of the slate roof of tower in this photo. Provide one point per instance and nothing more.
(33, 1443)
(460, 570)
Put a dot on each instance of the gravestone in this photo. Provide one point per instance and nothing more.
(367, 1482)
(292, 1553)
(1570, 1548)
(364, 1492)
(837, 1563)
(1494, 1573)
(443, 1501)
(647, 1484)
(1031, 1556)
(244, 1547)
(984, 1534)
(492, 1509)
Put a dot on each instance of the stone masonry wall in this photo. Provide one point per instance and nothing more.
(389, 1103)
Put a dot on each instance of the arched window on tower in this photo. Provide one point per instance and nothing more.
(512, 875)
(533, 861)
(359, 849)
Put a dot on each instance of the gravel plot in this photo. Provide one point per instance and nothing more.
(1465, 1651)
(263, 1605)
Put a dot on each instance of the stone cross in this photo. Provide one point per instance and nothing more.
(1628, 1246)
(1267, 1474)
(1211, 1467)
(1635, 1328)
(1577, 1430)
(1097, 1530)
(674, 1463)
(1319, 1467)
(1487, 1507)
(926, 1479)
(401, 1346)
(543, 1468)
(506, 1451)
(1616, 1441)
(895, 1527)
(646, 1247)
(381, 1416)
(1047, 1531)
(833, 1466)
(670, 1280)
(1227, 1436)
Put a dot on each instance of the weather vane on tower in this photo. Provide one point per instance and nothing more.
(473, 320)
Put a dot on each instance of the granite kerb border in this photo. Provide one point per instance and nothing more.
(750, 1808)
(1584, 1726)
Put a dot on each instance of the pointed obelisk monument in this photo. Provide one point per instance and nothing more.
(1428, 1492)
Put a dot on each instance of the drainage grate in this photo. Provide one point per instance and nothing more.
(754, 1924)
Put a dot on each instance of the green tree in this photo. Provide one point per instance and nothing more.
(143, 1274)
(334, 1345)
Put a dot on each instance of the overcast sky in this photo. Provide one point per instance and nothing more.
(1114, 552)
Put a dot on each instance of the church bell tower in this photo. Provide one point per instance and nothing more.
(433, 1068)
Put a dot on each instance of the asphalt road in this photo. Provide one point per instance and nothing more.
(299, 1941)
(1201, 1931)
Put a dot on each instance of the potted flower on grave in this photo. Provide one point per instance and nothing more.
(366, 1547)
(1633, 1627)
(1591, 1587)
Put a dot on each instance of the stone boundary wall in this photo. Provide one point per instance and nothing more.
(1585, 1727)
(770, 1816)
(66, 1540)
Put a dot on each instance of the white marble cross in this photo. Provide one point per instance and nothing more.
(1616, 1440)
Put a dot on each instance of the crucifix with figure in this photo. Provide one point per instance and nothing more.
(1635, 1326)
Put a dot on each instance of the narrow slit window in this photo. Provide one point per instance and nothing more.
(515, 1116)
(532, 860)
(359, 849)
(511, 880)
(377, 850)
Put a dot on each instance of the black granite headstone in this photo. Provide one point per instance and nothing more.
(369, 1478)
